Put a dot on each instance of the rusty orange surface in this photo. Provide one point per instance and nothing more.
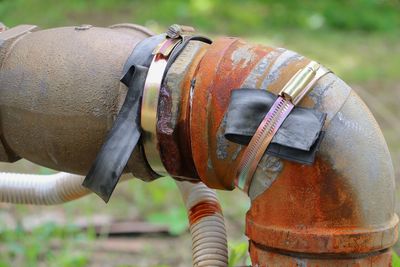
(316, 213)
(203, 209)
(225, 66)
(217, 76)
(174, 142)
(199, 110)
(268, 258)
(308, 209)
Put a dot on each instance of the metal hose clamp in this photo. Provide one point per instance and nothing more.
(154, 79)
(295, 89)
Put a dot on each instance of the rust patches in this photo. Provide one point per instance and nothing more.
(173, 121)
(203, 209)
(307, 209)
(225, 66)
(199, 111)
(167, 144)
(228, 64)
(312, 209)
(184, 123)
(265, 257)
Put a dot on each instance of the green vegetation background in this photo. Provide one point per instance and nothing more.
(358, 39)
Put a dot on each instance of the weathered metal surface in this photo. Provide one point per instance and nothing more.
(57, 113)
(60, 93)
(313, 209)
(343, 204)
(264, 257)
(7, 38)
(224, 67)
(230, 63)
(173, 112)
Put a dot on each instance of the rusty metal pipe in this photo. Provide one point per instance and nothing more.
(339, 211)
(341, 207)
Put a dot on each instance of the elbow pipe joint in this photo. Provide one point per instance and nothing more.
(339, 209)
(60, 93)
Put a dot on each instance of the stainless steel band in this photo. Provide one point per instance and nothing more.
(149, 109)
(150, 104)
(296, 88)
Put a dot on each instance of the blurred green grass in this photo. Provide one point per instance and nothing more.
(357, 39)
(232, 17)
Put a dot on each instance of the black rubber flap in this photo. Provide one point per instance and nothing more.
(297, 139)
(121, 140)
(141, 55)
(125, 132)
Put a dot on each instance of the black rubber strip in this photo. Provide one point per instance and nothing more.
(141, 55)
(297, 139)
(121, 140)
(124, 135)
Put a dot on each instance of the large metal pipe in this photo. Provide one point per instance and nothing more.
(60, 92)
(341, 207)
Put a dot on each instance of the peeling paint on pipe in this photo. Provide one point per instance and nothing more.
(342, 206)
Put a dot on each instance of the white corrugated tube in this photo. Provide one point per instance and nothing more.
(37, 189)
(207, 227)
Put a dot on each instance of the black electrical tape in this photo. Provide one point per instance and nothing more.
(297, 139)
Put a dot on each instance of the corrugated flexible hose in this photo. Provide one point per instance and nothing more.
(37, 189)
(207, 227)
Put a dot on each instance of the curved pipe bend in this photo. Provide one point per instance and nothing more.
(346, 196)
(342, 205)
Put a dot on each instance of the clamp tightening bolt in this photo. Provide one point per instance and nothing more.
(176, 31)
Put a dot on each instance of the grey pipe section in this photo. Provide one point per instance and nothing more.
(353, 146)
(61, 91)
(351, 186)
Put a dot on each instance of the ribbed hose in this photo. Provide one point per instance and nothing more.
(207, 227)
(41, 189)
